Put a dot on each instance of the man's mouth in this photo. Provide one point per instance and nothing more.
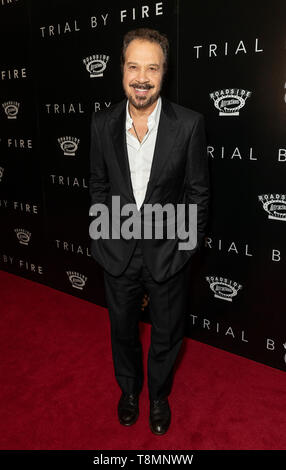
(141, 91)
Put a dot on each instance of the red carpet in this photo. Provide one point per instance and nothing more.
(58, 390)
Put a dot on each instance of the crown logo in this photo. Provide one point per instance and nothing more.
(11, 109)
(1, 173)
(68, 144)
(96, 64)
(77, 280)
(223, 288)
(23, 236)
(274, 205)
(230, 100)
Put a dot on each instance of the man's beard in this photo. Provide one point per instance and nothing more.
(142, 102)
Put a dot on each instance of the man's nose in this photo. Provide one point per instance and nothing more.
(142, 76)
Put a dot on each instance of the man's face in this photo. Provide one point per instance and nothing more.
(143, 72)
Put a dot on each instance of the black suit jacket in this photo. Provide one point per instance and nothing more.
(179, 174)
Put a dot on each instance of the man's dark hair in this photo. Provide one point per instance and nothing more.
(146, 34)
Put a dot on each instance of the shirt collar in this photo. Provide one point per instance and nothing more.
(153, 118)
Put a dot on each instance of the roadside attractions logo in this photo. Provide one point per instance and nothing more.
(223, 288)
(76, 279)
(69, 145)
(96, 64)
(274, 205)
(23, 236)
(11, 109)
(230, 100)
(152, 215)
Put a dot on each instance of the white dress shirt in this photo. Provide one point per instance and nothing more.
(140, 155)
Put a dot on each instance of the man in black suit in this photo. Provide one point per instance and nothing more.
(145, 151)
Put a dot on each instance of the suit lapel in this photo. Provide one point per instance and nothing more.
(118, 135)
(166, 136)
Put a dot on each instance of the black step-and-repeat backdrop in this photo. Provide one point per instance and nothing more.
(227, 61)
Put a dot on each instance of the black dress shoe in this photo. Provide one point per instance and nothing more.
(160, 416)
(128, 408)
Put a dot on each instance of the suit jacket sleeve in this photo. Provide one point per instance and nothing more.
(197, 177)
(98, 181)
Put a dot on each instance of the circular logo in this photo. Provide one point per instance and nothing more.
(229, 103)
(96, 66)
(69, 146)
(11, 110)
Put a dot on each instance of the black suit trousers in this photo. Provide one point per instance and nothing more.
(168, 305)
